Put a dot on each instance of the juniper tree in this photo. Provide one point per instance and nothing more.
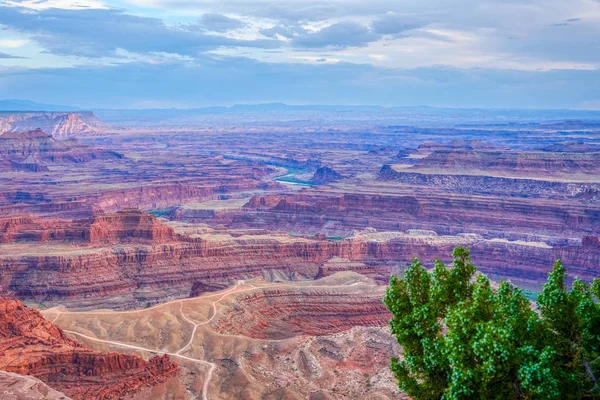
(464, 339)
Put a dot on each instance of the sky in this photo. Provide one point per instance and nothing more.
(193, 53)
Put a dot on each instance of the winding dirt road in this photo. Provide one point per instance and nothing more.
(211, 366)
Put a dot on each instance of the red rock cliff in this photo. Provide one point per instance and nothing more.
(31, 345)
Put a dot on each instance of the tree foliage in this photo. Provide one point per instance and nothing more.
(462, 338)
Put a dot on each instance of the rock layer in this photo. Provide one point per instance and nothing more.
(446, 213)
(325, 175)
(284, 313)
(131, 259)
(513, 162)
(129, 225)
(56, 123)
(23, 387)
(31, 345)
(35, 150)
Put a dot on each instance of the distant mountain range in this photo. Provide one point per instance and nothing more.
(260, 114)
(240, 114)
(27, 105)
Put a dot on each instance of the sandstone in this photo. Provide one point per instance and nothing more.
(515, 162)
(456, 145)
(475, 184)
(56, 123)
(130, 259)
(129, 224)
(278, 314)
(31, 345)
(511, 218)
(35, 150)
(325, 175)
(24, 387)
(124, 226)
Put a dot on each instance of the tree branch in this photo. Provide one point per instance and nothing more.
(590, 372)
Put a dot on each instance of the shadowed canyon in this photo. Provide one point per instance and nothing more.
(245, 256)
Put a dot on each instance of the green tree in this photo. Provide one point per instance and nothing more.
(464, 339)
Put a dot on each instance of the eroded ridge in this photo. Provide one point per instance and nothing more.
(237, 365)
(288, 312)
(31, 345)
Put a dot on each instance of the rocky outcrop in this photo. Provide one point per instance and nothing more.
(493, 185)
(534, 164)
(31, 345)
(456, 145)
(35, 150)
(525, 174)
(590, 241)
(132, 259)
(512, 218)
(129, 225)
(215, 212)
(325, 175)
(109, 198)
(284, 313)
(262, 202)
(24, 387)
(445, 213)
(57, 124)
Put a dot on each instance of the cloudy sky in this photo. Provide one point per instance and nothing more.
(187, 53)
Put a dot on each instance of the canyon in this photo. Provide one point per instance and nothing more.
(31, 345)
(228, 354)
(57, 124)
(241, 258)
(37, 151)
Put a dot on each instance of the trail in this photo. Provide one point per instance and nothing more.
(228, 291)
(214, 313)
(212, 366)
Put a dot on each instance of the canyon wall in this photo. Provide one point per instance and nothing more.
(446, 213)
(31, 345)
(284, 313)
(131, 259)
(36, 151)
(513, 162)
(57, 124)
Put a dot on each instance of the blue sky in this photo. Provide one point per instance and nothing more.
(186, 53)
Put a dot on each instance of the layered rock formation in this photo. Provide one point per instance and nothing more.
(493, 185)
(444, 213)
(24, 387)
(55, 123)
(535, 164)
(27, 228)
(35, 150)
(125, 226)
(455, 145)
(230, 340)
(31, 345)
(69, 237)
(284, 313)
(215, 212)
(325, 175)
(131, 259)
(77, 190)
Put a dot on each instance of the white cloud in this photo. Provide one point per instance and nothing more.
(12, 43)
(45, 4)
(529, 36)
